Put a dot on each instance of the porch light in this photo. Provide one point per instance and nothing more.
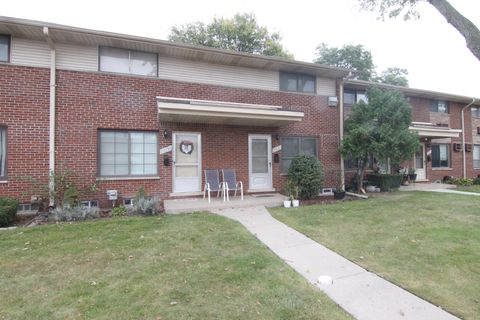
(165, 134)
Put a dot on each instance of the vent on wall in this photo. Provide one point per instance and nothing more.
(478, 130)
(457, 147)
(468, 147)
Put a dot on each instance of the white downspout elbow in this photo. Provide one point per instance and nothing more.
(464, 160)
(51, 144)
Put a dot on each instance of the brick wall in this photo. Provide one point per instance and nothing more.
(24, 109)
(87, 102)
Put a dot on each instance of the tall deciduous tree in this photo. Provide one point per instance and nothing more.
(354, 57)
(240, 33)
(379, 128)
(407, 8)
(395, 76)
(359, 59)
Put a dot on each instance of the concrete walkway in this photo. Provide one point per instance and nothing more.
(361, 293)
(436, 187)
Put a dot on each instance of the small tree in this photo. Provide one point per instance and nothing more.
(306, 172)
(379, 128)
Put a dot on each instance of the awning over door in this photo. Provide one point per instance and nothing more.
(429, 130)
(219, 112)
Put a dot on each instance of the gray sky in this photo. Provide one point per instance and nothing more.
(434, 53)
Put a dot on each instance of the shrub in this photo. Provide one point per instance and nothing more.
(386, 182)
(77, 213)
(462, 181)
(476, 181)
(306, 172)
(8, 210)
(145, 206)
(119, 211)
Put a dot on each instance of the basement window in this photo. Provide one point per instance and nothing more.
(128, 61)
(4, 48)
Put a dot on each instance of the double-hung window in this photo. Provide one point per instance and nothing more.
(128, 61)
(439, 106)
(127, 153)
(476, 156)
(297, 82)
(4, 48)
(293, 146)
(3, 152)
(476, 112)
(440, 156)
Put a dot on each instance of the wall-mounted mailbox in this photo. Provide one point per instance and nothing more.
(166, 160)
(276, 158)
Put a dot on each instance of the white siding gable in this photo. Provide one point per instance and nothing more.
(326, 87)
(201, 72)
(74, 57)
(30, 53)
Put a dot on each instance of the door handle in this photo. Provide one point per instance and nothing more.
(270, 163)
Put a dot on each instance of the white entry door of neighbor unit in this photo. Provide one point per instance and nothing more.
(187, 162)
(260, 162)
(420, 164)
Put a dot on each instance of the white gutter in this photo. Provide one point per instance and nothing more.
(51, 144)
(340, 102)
(463, 138)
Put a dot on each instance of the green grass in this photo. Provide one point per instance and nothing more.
(474, 188)
(196, 266)
(427, 243)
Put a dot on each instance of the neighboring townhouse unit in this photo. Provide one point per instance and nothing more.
(437, 118)
(125, 112)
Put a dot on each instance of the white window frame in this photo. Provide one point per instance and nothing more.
(129, 164)
(9, 46)
(129, 61)
(476, 156)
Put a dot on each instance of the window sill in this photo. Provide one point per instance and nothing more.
(3, 181)
(442, 169)
(127, 178)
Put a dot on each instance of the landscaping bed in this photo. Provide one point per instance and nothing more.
(428, 243)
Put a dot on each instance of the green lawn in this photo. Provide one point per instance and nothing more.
(427, 243)
(474, 188)
(196, 266)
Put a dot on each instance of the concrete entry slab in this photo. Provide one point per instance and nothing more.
(363, 294)
(185, 205)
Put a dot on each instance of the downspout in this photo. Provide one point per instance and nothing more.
(463, 139)
(340, 126)
(51, 144)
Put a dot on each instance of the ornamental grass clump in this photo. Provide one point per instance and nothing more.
(306, 172)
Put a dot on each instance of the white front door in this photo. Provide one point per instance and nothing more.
(419, 161)
(260, 161)
(187, 162)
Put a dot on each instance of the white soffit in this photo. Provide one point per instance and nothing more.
(172, 109)
(427, 131)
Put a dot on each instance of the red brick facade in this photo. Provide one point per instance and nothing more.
(87, 102)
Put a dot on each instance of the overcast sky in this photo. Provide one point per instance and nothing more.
(434, 53)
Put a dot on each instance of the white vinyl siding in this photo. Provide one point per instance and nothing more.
(30, 53)
(79, 58)
(326, 87)
(202, 72)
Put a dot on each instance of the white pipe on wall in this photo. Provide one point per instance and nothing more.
(340, 102)
(51, 144)
(463, 139)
